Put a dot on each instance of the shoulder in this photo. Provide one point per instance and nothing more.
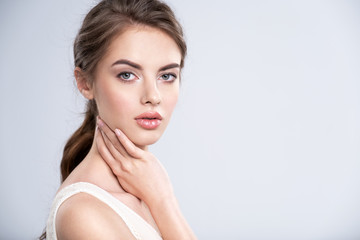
(83, 216)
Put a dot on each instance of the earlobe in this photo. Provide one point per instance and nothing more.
(83, 84)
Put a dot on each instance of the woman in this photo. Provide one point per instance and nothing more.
(128, 59)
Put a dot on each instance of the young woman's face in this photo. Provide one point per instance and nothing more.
(136, 83)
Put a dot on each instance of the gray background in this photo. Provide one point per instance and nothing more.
(264, 143)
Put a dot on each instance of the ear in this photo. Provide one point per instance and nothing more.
(83, 84)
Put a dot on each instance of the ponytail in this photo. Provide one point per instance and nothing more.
(104, 22)
(79, 144)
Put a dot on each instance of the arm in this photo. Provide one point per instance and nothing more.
(140, 173)
(170, 220)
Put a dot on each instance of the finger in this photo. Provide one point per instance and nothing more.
(106, 154)
(114, 152)
(129, 146)
(111, 137)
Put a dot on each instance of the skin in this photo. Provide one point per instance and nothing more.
(118, 160)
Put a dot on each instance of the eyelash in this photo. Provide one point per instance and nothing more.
(171, 75)
(121, 77)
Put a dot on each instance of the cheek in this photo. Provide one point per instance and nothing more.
(171, 101)
(113, 106)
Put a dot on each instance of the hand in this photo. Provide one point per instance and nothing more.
(139, 172)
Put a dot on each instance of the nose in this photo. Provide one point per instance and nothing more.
(151, 93)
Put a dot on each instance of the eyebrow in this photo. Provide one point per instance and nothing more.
(137, 66)
(127, 62)
(169, 66)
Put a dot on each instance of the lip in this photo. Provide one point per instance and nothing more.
(149, 120)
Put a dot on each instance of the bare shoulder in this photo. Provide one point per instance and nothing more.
(83, 216)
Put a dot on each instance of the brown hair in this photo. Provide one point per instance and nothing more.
(105, 21)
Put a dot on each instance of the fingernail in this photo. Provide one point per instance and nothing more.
(100, 123)
(117, 132)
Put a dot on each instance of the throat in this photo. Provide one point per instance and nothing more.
(97, 171)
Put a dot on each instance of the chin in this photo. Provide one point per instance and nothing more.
(146, 138)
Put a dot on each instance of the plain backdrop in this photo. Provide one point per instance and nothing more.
(264, 143)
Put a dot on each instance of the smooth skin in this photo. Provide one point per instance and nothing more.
(141, 174)
(139, 73)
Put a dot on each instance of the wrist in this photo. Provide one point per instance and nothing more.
(163, 203)
(172, 224)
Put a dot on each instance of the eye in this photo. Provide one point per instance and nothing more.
(168, 77)
(127, 76)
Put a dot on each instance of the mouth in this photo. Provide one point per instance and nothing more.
(149, 120)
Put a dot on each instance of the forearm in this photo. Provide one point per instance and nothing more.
(170, 220)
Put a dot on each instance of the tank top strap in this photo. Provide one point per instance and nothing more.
(132, 220)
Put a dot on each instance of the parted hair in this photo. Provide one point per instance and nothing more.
(101, 25)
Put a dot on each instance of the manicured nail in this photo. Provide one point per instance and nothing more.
(100, 123)
(117, 132)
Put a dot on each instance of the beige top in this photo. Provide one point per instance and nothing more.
(136, 224)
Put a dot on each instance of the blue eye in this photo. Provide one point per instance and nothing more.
(126, 76)
(169, 77)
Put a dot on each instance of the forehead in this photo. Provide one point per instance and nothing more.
(144, 45)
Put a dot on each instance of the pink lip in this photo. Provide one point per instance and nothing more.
(149, 120)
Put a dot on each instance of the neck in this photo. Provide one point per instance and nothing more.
(97, 171)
